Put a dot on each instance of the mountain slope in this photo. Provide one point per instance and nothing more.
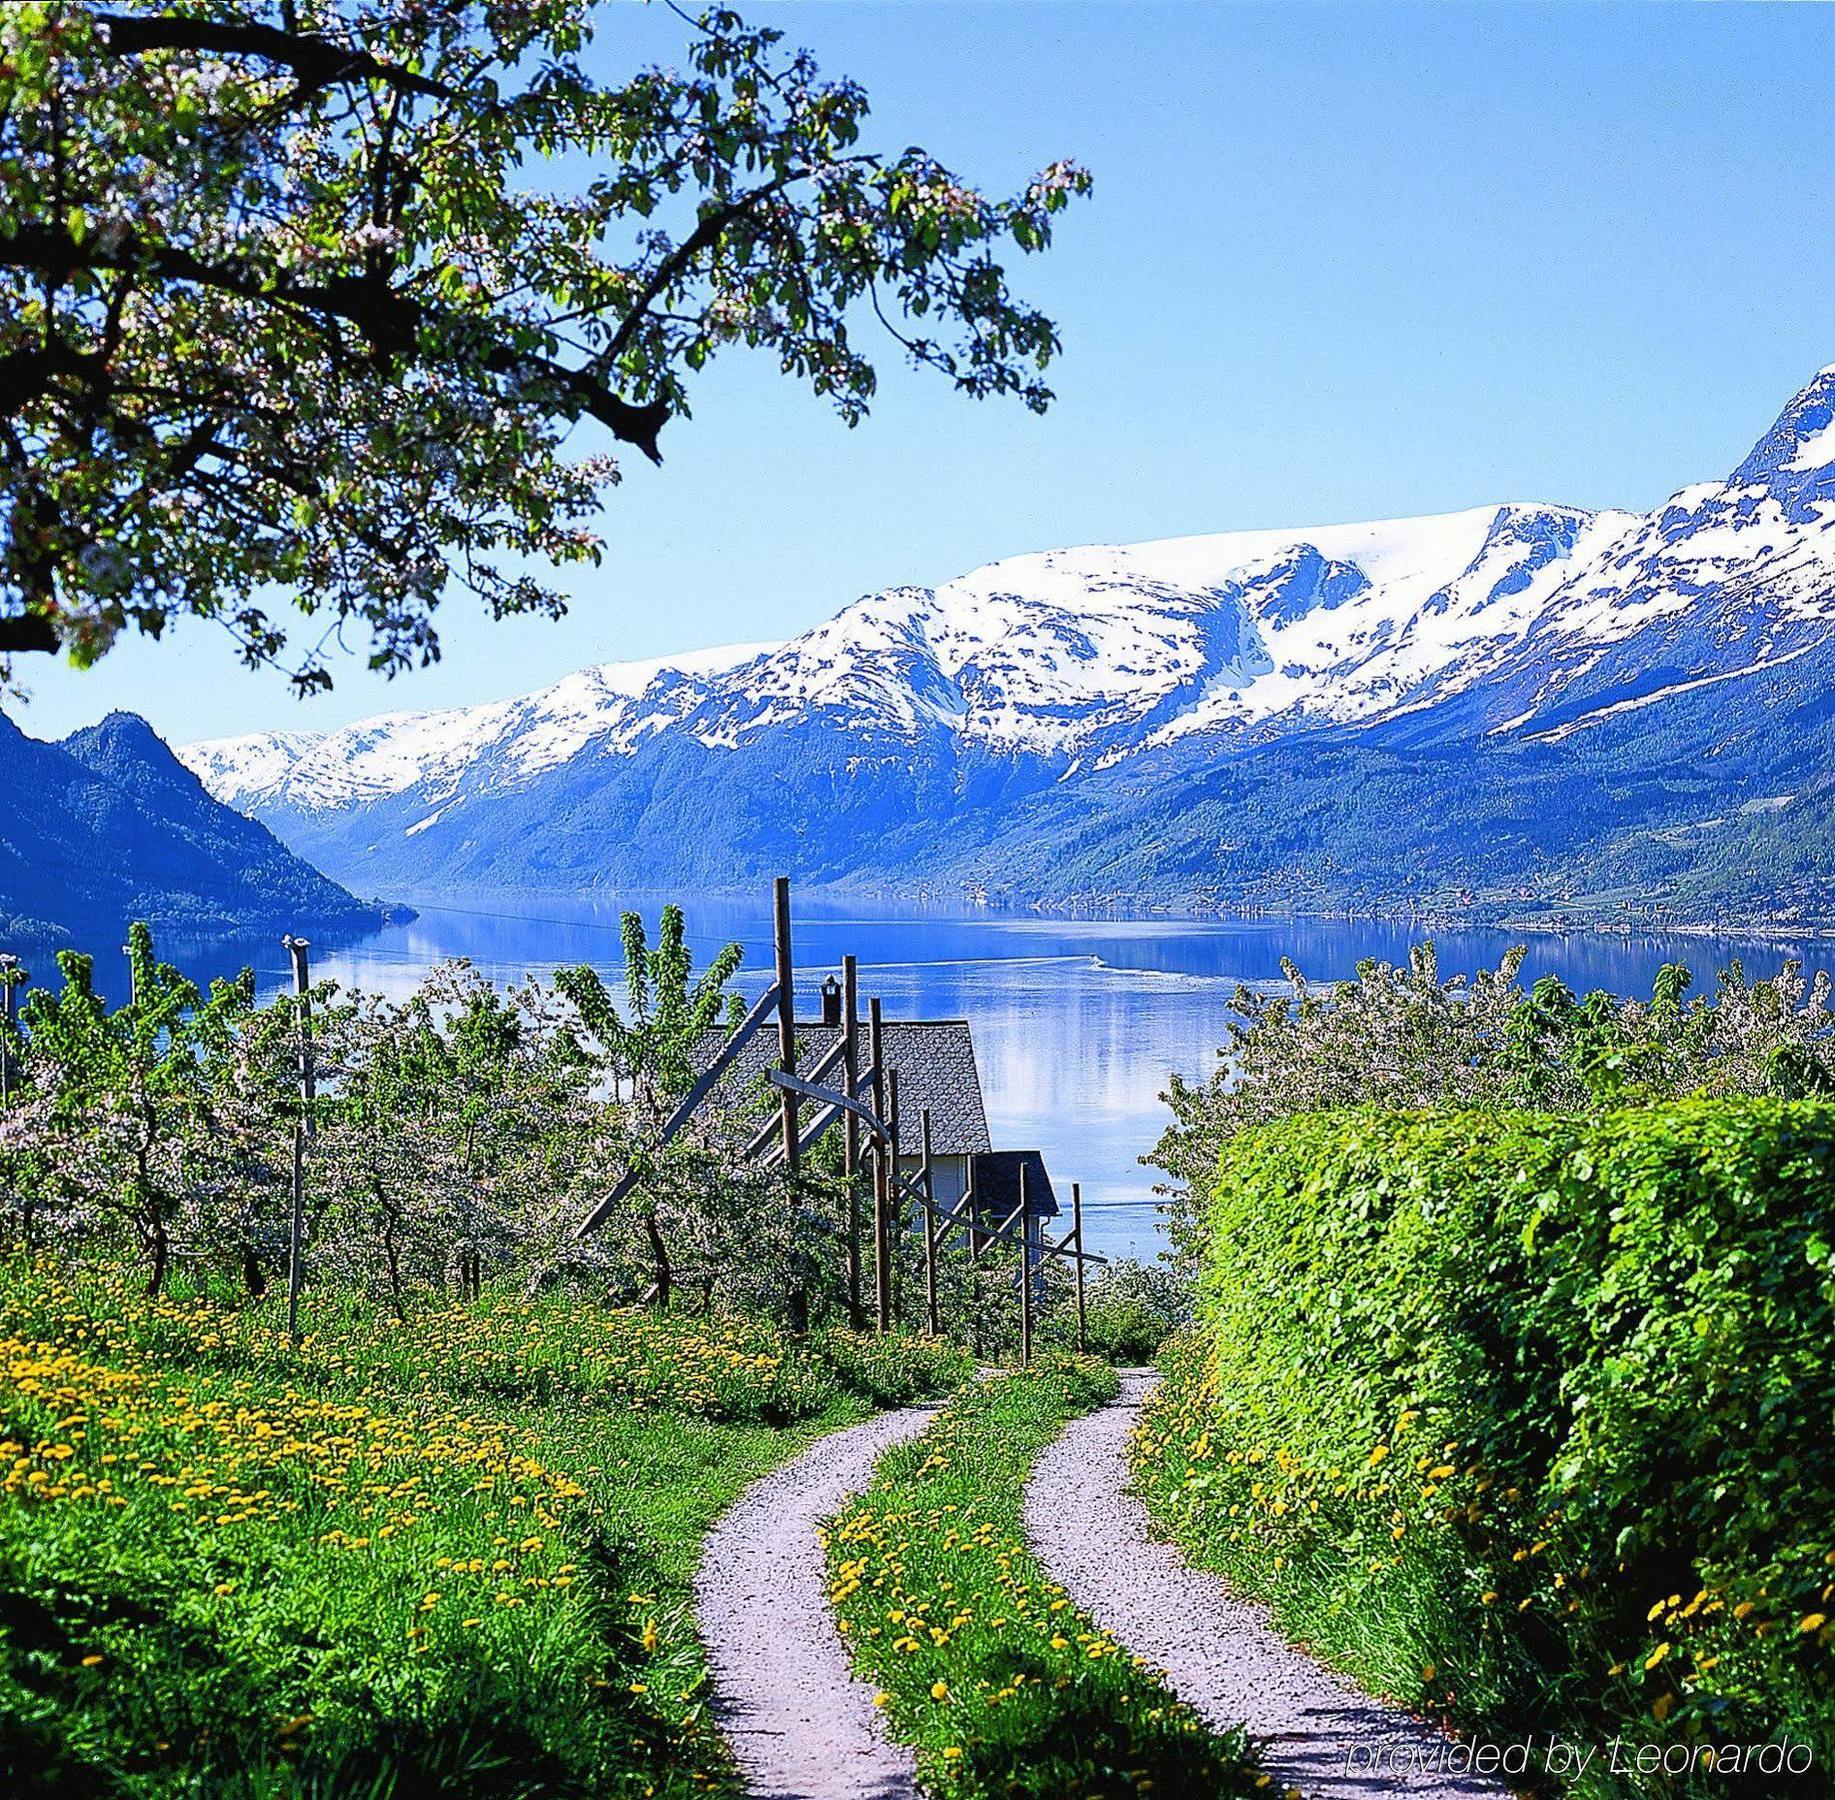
(109, 826)
(1514, 706)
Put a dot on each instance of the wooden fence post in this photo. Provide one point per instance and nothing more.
(882, 1174)
(1076, 1232)
(296, 948)
(931, 1320)
(974, 1265)
(850, 1136)
(786, 1012)
(895, 1198)
(12, 978)
(1025, 1276)
(786, 1057)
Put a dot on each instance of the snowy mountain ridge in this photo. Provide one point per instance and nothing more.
(1512, 625)
(1088, 651)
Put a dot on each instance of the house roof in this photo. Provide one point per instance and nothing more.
(935, 1060)
(997, 1185)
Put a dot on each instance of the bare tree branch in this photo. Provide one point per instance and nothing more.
(317, 61)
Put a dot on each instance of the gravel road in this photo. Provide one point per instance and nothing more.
(800, 1724)
(1316, 1731)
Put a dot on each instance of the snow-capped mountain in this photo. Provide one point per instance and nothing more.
(612, 707)
(1086, 690)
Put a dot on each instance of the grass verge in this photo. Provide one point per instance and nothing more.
(982, 1661)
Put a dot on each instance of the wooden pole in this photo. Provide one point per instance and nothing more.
(931, 1321)
(296, 948)
(1025, 1276)
(882, 1178)
(11, 978)
(850, 1135)
(786, 1056)
(974, 1267)
(895, 1199)
(786, 1011)
(1076, 1231)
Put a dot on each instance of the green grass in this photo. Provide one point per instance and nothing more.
(982, 1662)
(447, 1557)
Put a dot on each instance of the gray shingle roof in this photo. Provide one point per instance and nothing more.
(935, 1060)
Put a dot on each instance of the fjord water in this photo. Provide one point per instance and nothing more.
(1078, 1022)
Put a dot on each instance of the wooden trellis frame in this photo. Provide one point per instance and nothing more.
(867, 1098)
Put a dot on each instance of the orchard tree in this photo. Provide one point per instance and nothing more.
(126, 1101)
(648, 1052)
(445, 1122)
(307, 297)
(1408, 1037)
(381, 1207)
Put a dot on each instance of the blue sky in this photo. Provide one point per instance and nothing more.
(1341, 263)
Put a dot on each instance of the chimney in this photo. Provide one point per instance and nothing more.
(831, 1002)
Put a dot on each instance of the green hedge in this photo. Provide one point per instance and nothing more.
(1529, 1420)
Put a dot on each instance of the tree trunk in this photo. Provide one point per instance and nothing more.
(162, 1250)
(392, 1252)
(662, 1273)
(148, 1202)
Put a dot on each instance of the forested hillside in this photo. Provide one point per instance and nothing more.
(109, 826)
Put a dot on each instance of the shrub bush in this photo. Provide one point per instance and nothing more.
(893, 1370)
(1134, 1307)
(1527, 1418)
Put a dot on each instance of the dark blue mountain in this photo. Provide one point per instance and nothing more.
(109, 826)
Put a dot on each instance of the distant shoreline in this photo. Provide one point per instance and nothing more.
(959, 901)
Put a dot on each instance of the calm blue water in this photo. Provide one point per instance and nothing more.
(1077, 1022)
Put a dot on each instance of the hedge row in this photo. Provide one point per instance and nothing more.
(1530, 1419)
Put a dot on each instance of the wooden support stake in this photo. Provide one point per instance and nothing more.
(296, 948)
(1076, 1229)
(927, 1174)
(882, 1175)
(895, 1209)
(685, 1110)
(786, 1011)
(974, 1269)
(850, 1135)
(769, 1136)
(1025, 1276)
(996, 1234)
(12, 977)
(786, 1058)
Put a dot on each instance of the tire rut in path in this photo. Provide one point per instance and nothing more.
(800, 1725)
(1315, 1731)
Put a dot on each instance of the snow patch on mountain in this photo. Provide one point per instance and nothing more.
(613, 705)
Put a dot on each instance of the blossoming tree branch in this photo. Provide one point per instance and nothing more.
(302, 301)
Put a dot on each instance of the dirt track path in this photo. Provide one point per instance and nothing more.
(1316, 1731)
(800, 1725)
